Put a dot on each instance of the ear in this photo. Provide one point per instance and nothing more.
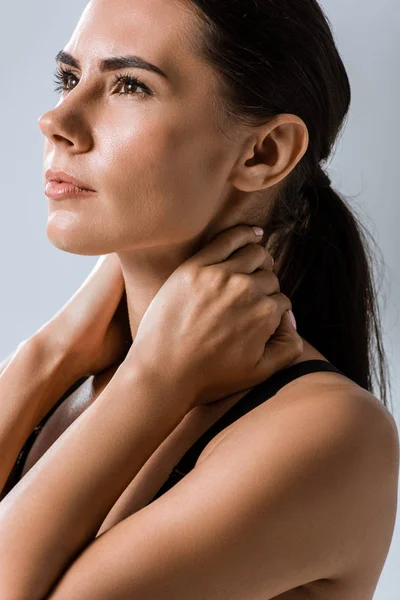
(272, 151)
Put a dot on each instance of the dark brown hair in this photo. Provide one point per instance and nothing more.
(280, 56)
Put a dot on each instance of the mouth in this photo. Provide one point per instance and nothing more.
(60, 177)
(59, 190)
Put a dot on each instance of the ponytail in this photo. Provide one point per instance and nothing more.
(325, 268)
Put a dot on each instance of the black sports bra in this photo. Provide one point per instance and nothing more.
(259, 394)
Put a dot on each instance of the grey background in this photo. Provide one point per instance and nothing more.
(37, 279)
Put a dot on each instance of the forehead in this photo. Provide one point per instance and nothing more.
(158, 30)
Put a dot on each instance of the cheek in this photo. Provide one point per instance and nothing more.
(165, 179)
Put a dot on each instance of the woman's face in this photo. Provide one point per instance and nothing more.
(159, 161)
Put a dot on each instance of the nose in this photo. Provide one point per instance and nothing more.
(65, 129)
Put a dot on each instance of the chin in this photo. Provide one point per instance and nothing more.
(68, 237)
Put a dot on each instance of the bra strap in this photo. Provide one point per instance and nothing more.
(258, 395)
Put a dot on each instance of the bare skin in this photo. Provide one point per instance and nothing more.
(136, 151)
(349, 583)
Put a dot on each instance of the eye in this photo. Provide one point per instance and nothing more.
(61, 77)
(135, 82)
(64, 77)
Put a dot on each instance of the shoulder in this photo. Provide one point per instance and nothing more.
(299, 491)
(323, 457)
(328, 405)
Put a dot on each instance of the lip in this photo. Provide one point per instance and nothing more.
(56, 176)
(60, 191)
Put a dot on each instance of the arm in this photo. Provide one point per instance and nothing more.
(5, 362)
(294, 495)
(71, 489)
(262, 514)
(33, 379)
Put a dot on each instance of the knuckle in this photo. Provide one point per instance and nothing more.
(275, 282)
(191, 272)
(240, 282)
(216, 276)
(244, 287)
(270, 307)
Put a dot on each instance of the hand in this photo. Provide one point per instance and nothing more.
(92, 329)
(219, 324)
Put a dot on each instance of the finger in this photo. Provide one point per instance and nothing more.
(222, 246)
(107, 261)
(104, 285)
(249, 258)
(103, 267)
(272, 308)
(107, 270)
(267, 282)
(281, 350)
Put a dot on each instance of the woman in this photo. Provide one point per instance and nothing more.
(181, 480)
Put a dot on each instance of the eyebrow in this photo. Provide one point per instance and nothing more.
(113, 63)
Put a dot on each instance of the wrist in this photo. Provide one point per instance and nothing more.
(175, 392)
(56, 354)
(30, 386)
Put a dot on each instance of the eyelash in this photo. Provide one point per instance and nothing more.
(61, 76)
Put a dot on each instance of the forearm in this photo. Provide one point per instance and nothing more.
(63, 500)
(35, 377)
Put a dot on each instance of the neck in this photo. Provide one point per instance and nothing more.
(145, 271)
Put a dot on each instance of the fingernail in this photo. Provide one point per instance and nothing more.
(293, 320)
(258, 231)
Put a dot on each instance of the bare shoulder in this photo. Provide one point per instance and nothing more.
(341, 394)
(329, 450)
(297, 500)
